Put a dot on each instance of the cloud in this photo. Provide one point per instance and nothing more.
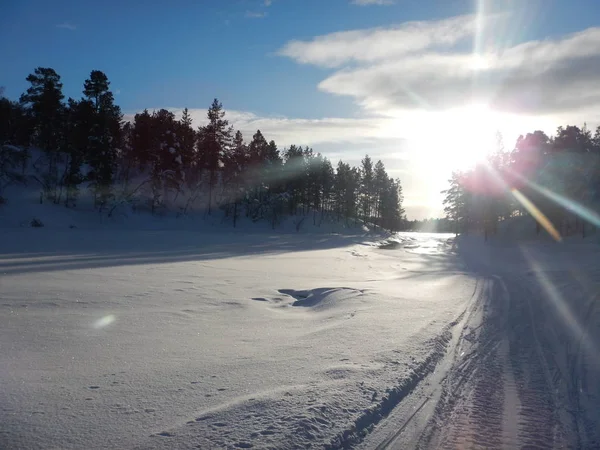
(372, 2)
(379, 44)
(256, 14)
(418, 65)
(268, 3)
(537, 77)
(67, 26)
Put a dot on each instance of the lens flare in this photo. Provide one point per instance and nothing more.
(104, 321)
(537, 215)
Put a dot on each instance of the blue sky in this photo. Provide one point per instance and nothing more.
(263, 60)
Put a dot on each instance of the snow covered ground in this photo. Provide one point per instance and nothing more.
(172, 333)
(176, 339)
(523, 370)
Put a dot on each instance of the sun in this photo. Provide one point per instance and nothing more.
(472, 135)
(456, 139)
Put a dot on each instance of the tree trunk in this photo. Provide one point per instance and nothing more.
(210, 190)
(235, 213)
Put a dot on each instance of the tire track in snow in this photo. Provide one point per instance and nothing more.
(538, 423)
(469, 413)
(500, 397)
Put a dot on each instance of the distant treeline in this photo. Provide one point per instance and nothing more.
(555, 179)
(87, 146)
(430, 225)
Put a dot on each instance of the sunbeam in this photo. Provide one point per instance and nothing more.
(567, 203)
(538, 215)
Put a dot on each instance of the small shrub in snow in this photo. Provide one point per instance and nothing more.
(36, 223)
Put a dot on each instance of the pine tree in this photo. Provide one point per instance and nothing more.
(456, 203)
(142, 139)
(367, 184)
(80, 123)
(213, 141)
(235, 166)
(187, 138)
(327, 185)
(44, 101)
(392, 213)
(168, 157)
(257, 151)
(272, 167)
(95, 88)
(292, 173)
(15, 123)
(104, 139)
(380, 189)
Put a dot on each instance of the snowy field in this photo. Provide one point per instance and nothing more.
(165, 338)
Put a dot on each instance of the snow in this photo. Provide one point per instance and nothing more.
(156, 339)
(147, 332)
(523, 366)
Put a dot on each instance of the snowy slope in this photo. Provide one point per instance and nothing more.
(173, 339)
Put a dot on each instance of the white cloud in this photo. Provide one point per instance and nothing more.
(268, 3)
(379, 44)
(67, 26)
(372, 2)
(538, 77)
(424, 65)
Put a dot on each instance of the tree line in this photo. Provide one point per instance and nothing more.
(555, 179)
(164, 160)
